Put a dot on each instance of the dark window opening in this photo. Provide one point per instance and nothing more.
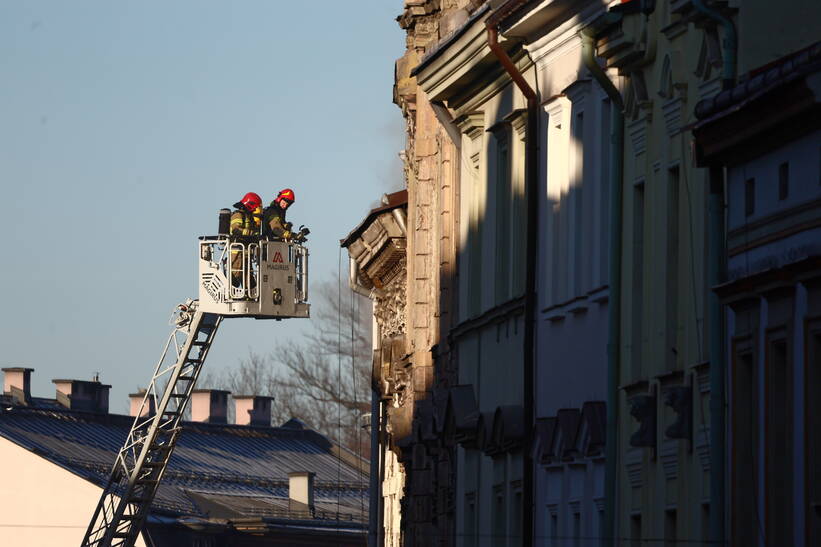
(749, 197)
(783, 181)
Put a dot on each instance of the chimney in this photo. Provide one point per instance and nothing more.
(17, 384)
(136, 400)
(209, 406)
(253, 410)
(89, 396)
(301, 491)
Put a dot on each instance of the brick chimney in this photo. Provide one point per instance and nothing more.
(301, 491)
(136, 399)
(17, 384)
(90, 396)
(209, 406)
(253, 410)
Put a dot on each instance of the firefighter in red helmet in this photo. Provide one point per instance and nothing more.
(246, 221)
(247, 215)
(274, 224)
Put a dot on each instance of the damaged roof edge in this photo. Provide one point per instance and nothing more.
(443, 44)
(395, 200)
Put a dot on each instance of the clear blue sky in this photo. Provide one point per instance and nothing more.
(126, 126)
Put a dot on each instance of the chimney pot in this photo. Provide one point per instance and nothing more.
(253, 410)
(209, 406)
(301, 491)
(82, 395)
(17, 384)
(136, 401)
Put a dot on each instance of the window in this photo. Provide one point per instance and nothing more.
(783, 181)
(673, 203)
(554, 528)
(705, 523)
(577, 529)
(812, 415)
(638, 277)
(604, 192)
(635, 531)
(470, 519)
(670, 528)
(475, 233)
(577, 236)
(516, 517)
(779, 452)
(744, 416)
(499, 516)
(502, 204)
(749, 197)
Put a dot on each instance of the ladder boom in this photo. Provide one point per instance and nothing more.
(143, 459)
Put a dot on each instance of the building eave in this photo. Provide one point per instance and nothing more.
(460, 61)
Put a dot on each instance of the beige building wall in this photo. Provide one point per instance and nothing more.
(42, 504)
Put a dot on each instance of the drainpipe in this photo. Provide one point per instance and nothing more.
(374, 486)
(383, 443)
(531, 192)
(729, 44)
(353, 283)
(614, 292)
(715, 318)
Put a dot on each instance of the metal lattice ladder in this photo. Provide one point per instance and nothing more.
(142, 461)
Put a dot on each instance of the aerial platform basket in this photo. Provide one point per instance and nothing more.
(253, 277)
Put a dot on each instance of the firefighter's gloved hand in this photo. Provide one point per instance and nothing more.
(302, 235)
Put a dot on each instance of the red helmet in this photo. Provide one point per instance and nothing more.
(286, 194)
(251, 201)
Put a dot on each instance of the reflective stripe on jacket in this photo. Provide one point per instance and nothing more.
(244, 223)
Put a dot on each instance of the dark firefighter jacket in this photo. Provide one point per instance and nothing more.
(273, 222)
(244, 223)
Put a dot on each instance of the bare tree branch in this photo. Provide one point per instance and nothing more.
(323, 380)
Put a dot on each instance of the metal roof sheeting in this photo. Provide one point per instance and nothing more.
(248, 465)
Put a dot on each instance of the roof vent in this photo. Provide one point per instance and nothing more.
(301, 491)
(253, 410)
(17, 384)
(209, 406)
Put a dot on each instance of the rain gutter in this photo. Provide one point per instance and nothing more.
(614, 284)
(531, 193)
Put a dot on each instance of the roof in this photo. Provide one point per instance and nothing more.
(445, 42)
(763, 80)
(394, 201)
(741, 123)
(215, 470)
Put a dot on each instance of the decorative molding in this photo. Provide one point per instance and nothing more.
(634, 463)
(703, 446)
(518, 121)
(709, 88)
(555, 110)
(578, 91)
(471, 124)
(672, 113)
(638, 135)
(668, 455)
